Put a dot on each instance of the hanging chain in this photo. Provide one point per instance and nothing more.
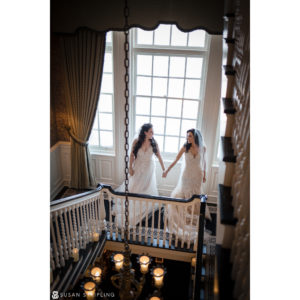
(126, 78)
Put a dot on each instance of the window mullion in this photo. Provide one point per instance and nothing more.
(171, 51)
(150, 116)
(183, 90)
(98, 121)
(166, 108)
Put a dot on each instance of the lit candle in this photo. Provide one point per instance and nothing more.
(144, 262)
(154, 298)
(90, 289)
(194, 262)
(75, 253)
(118, 259)
(96, 237)
(96, 274)
(158, 274)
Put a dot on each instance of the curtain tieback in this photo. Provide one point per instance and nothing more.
(75, 138)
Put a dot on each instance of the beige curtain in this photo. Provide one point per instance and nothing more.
(83, 57)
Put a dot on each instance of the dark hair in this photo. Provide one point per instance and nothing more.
(196, 137)
(141, 139)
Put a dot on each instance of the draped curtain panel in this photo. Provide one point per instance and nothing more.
(83, 57)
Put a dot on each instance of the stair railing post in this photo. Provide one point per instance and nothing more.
(199, 261)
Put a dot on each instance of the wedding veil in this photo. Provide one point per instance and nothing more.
(202, 148)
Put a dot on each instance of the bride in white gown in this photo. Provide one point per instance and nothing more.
(193, 174)
(142, 179)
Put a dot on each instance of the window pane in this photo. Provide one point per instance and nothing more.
(107, 63)
(160, 141)
(160, 65)
(142, 106)
(144, 64)
(158, 107)
(158, 125)
(177, 65)
(105, 103)
(105, 121)
(108, 37)
(192, 89)
(179, 38)
(194, 67)
(197, 38)
(94, 140)
(171, 144)
(190, 109)
(107, 83)
(175, 88)
(162, 35)
(172, 127)
(95, 125)
(143, 85)
(106, 139)
(182, 142)
(186, 125)
(144, 37)
(139, 121)
(159, 87)
(174, 108)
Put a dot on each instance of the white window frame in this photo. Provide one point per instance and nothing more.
(175, 51)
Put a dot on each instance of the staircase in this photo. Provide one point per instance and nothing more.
(77, 220)
(233, 239)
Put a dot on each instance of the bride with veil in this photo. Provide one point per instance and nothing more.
(142, 179)
(193, 174)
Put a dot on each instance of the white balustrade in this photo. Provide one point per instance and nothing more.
(83, 227)
(165, 227)
(63, 236)
(56, 254)
(73, 243)
(123, 216)
(60, 247)
(74, 222)
(110, 215)
(88, 221)
(70, 243)
(79, 232)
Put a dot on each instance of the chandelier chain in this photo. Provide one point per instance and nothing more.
(126, 79)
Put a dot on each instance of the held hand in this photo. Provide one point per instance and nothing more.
(131, 172)
(164, 174)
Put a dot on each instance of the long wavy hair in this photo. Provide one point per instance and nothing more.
(197, 135)
(141, 139)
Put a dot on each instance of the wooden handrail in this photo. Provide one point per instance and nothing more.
(71, 198)
(159, 198)
(142, 196)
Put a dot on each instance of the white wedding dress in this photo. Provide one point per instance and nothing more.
(143, 181)
(189, 184)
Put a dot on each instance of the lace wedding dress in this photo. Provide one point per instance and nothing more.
(189, 183)
(143, 181)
